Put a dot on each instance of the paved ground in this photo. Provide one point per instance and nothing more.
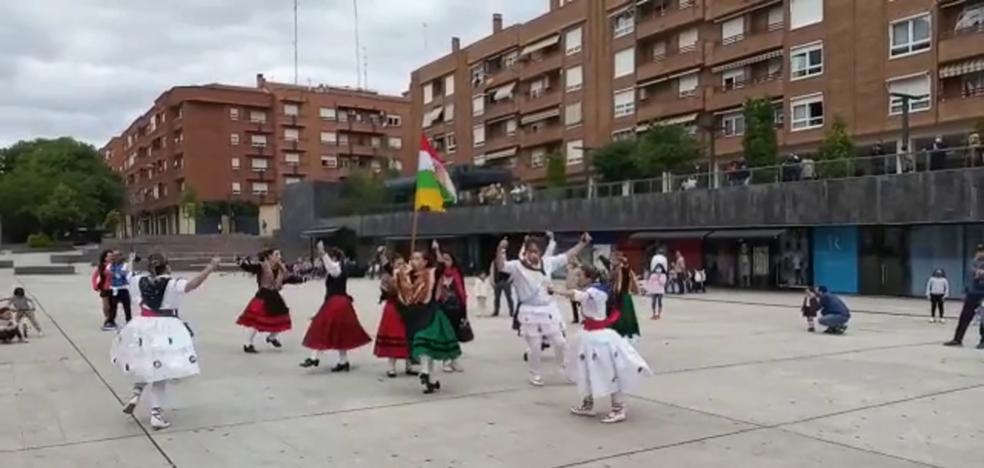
(738, 385)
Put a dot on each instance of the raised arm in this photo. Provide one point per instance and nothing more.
(198, 280)
(551, 245)
(581, 244)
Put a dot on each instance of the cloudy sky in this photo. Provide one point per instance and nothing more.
(87, 68)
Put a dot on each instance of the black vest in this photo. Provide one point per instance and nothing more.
(336, 285)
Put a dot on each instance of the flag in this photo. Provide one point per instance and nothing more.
(434, 186)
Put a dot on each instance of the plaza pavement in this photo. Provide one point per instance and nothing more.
(737, 385)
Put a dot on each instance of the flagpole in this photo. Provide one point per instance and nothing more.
(413, 231)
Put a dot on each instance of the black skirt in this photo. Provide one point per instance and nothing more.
(458, 316)
(273, 301)
(416, 317)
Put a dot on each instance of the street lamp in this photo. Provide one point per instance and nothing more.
(906, 99)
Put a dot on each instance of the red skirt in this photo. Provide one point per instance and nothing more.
(391, 338)
(336, 327)
(258, 317)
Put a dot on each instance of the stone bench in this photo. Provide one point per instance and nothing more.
(45, 270)
(6, 264)
(68, 259)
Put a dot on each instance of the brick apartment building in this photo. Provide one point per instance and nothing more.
(587, 72)
(232, 143)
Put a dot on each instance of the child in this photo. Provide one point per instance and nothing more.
(810, 307)
(482, 289)
(937, 291)
(8, 326)
(700, 280)
(23, 311)
(656, 288)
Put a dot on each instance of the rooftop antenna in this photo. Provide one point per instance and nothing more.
(295, 43)
(426, 46)
(358, 47)
(365, 68)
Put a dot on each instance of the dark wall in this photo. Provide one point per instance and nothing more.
(927, 197)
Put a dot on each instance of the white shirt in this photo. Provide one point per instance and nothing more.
(531, 285)
(593, 303)
(333, 268)
(173, 295)
(659, 259)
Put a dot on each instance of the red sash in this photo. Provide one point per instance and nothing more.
(592, 325)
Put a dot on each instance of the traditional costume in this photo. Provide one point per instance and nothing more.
(604, 363)
(431, 334)
(624, 285)
(335, 326)
(452, 300)
(266, 312)
(391, 337)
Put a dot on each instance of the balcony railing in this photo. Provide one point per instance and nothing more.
(975, 29)
(747, 82)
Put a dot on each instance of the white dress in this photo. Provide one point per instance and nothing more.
(154, 349)
(603, 362)
(538, 313)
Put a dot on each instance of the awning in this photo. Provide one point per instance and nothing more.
(683, 73)
(747, 234)
(669, 235)
(321, 231)
(747, 61)
(504, 92)
(547, 114)
(678, 120)
(500, 154)
(540, 45)
(648, 83)
(432, 115)
(962, 68)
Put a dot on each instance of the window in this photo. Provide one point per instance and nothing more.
(687, 40)
(687, 85)
(910, 35)
(428, 93)
(291, 109)
(235, 163)
(624, 23)
(257, 116)
(539, 87)
(572, 40)
(510, 127)
(450, 143)
(733, 30)
(292, 158)
(509, 60)
(804, 13)
(331, 162)
(260, 188)
(449, 85)
(343, 139)
(574, 78)
(806, 60)
(329, 138)
(624, 103)
(478, 105)
(291, 180)
(918, 85)
(575, 152)
(478, 135)
(292, 134)
(236, 188)
(733, 79)
(807, 112)
(327, 113)
(375, 142)
(478, 75)
(624, 62)
(258, 165)
(234, 139)
(623, 135)
(394, 121)
(733, 124)
(449, 112)
(395, 143)
(233, 113)
(776, 18)
(343, 116)
(258, 141)
(538, 158)
(572, 114)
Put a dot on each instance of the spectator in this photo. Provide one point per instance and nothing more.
(690, 183)
(975, 150)
(743, 173)
(680, 270)
(877, 159)
(731, 173)
(808, 169)
(834, 314)
(791, 168)
(937, 154)
(516, 194)
(972, 300)
(659, 260)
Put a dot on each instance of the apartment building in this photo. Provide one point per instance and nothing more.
(587, 72)
(233, 143)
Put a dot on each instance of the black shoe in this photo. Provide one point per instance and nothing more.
(811, 330)
(426, 383)
(250, 349)
(308, 362)
(411, 372)
(526, 357)
(953, 344)
(274, 342)
(341, 367)
(391, 374)
(980, 345)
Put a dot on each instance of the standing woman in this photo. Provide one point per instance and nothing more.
(453, 300)
(429, 331)
(266, 312)
(101, 285)
(157, 347)
(624, 285)
(391, 337)
(335, 326)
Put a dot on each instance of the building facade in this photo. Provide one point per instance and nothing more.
(242, 146)
(587, 72)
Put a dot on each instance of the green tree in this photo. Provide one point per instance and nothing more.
(665, 148)
(190, 206)
(837, 151)
(361, 191)
(556, 169)
(760, 143)
(615, 162)
(112, 221)
(61, 212)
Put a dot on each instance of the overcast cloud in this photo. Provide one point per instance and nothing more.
(87, 68)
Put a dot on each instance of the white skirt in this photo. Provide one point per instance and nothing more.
(154, 349)
(604, 363)
(540, 321)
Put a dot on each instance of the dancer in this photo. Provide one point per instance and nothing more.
(391, 337)
(624, 285)
(656, 288)
(452, 298)
(431, 334)
(120, 270)
(538, 314)
(8, 326)
(605, 364)
(335, 326)
(549, 252)
(267, 312)
(101, 285)
(157, 347)
(571, 282)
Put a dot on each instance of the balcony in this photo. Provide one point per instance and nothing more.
(499, 142)
(660, 105)
(682, 59)
(767, 85)
(719, 8)
(499, 109)
(291, 120)
(964, 106)
(661, 20)
(538, 65)
(742, 45)
(263, 151)
(550, 98)
(548, 133)
(362, 126)
(961, 44)
(364, 150)
(501, 76)
(259, 126)
(295, 145)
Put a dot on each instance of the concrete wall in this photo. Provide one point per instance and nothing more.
(921, 198)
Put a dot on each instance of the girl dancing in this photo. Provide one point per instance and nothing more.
(391, 337)
(624, 285)
(453, 300)
(266, 312)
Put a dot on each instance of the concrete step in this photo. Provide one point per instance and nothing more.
(68, 259)
(45, 270)
(6, 264)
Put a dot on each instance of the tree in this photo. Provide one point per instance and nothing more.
(112, 221)
(556, 169)
(61, 212)
(190, 206)
(760, 143)
(837, 151)
(665, 148)
(614, 162)
(361, 191)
